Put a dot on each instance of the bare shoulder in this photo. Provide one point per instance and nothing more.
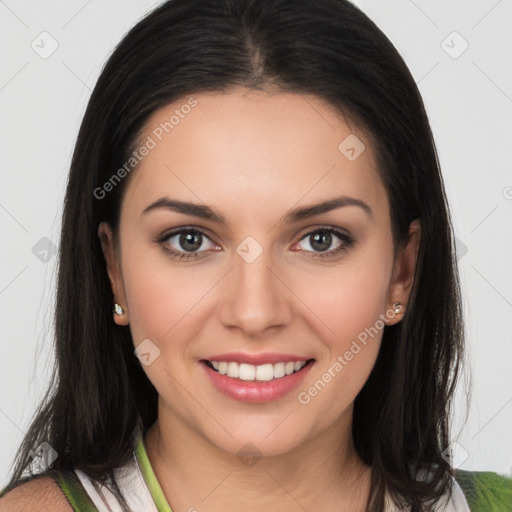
(40, 494)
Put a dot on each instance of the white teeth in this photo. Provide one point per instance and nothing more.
(246, 371)
(279, 370)
(264, 372)
(232, 370)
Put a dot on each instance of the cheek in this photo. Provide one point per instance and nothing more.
(350, 297)
(160, 298)
(348, 303)
(351, 351)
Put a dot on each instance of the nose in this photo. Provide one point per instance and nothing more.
(254, 298)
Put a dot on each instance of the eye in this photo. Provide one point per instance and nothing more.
(186, 243)
(326, 242)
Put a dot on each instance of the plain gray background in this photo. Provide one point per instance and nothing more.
(459, 52)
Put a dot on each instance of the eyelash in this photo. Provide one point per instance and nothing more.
(346, 239)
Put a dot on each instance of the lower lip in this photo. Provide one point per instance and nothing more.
(256, 391)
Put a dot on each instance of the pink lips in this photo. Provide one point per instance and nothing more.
(256, 391)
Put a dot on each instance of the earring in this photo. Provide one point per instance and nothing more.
(118, 310)
(397, 307)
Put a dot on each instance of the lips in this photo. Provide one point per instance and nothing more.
(254, 391)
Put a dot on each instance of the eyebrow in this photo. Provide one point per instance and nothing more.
(205, 212)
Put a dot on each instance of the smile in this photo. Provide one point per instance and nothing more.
(256, 384)
(249, 372)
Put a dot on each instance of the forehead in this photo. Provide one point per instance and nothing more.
(245, 146)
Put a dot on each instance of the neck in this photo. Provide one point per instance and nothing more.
(323, 473)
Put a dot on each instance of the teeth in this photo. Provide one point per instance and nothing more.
(264, 372)
(245, 371)
(279, 370)
(232, 370)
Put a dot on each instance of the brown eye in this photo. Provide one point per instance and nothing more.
(325, 242)
(190, 241)
(187, 243)
(321, 241)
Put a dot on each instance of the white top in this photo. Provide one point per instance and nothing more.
(132, 484)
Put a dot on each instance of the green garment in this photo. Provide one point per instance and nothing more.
(485, 491)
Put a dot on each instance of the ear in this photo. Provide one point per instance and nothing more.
(403, 272)
(114, 271)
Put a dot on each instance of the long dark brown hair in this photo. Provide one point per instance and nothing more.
(99, 393)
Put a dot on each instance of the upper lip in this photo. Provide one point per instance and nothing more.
(257, 359)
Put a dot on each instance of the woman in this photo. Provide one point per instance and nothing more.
(258, 304)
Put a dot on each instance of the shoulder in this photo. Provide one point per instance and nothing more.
(485, 490)
(37, 494)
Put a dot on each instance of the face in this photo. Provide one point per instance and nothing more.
(252, 269)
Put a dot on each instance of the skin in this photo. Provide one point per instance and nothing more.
(252, 157)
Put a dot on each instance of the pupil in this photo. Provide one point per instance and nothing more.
(190, 241)
(321, 241)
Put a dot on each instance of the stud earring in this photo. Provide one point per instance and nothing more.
(118, 310)
(397, 307)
